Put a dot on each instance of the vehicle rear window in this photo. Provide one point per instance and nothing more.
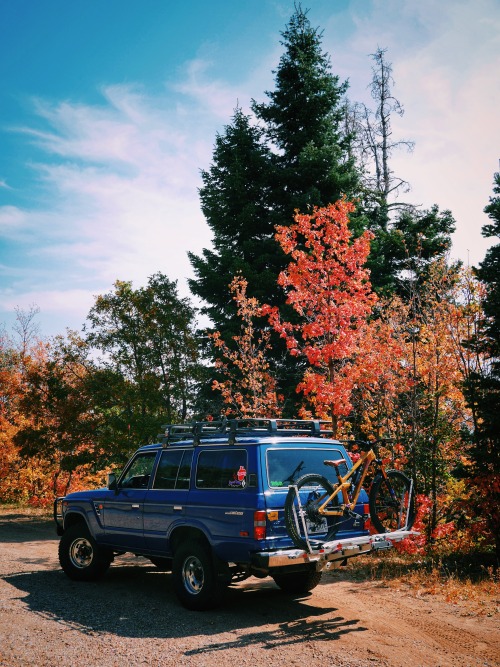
(222, 469)
(285, 466)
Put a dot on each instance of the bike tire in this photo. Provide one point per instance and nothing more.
(392, 502)
(313, 490)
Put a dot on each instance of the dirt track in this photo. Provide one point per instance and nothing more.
(132, 617)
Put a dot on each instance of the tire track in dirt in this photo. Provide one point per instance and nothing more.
(132, 617)
(416, 631)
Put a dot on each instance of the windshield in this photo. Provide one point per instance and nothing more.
(285, 466)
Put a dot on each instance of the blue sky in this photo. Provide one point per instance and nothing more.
(109, 109)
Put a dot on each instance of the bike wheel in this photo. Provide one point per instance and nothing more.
(304, 523)
(392, 502)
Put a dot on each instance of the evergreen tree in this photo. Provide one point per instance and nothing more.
(234, 200)
(483, 389)
(304, 121)
(405, 239)
(402, 251)
(296, 159)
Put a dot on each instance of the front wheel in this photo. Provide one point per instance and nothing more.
(161, 564)
(197, 581)
(392, 502)
(81, 558)
(305, 523)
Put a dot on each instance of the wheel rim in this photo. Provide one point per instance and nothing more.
(393, 511)
(81, 553)
(193, 575)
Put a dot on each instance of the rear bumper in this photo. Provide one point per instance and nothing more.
(331, 554)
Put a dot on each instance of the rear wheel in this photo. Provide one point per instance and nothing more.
(198, 583)
(162, 564)
(81, 558)
(298, 583)
(392, 502)
(304, 523)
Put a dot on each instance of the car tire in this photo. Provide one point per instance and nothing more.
(197, 581)
(297, 583)
(81, 558)
(162, 564)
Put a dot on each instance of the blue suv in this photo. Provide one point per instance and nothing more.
(207, 503)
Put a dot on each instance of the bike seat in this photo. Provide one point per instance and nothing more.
(334, 464)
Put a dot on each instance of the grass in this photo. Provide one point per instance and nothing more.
(469, 581)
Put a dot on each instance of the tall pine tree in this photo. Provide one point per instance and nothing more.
(234, 199)
(304, 121)
(483, 389)
(296, 158)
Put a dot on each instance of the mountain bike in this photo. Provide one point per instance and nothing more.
(315, 509)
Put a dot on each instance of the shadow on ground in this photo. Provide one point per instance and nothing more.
(138, 601)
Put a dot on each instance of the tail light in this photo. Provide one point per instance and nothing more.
(366, 510)
(259, 525)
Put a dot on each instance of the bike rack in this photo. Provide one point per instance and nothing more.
(377, 542)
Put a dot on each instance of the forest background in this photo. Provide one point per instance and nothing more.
(329, 295)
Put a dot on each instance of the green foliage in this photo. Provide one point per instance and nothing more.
(304, 121)
(294, 159)
(95, 397)
(234, 200)
(147, 339)
(482, 388)
(402, 252)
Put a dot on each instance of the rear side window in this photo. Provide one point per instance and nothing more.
(222, 469)
(285, 466)
(174, 470)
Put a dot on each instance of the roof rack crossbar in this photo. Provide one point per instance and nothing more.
(243, 426)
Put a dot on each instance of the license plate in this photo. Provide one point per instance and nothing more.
(320, 527)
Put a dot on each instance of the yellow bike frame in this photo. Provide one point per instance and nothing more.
(343, 485)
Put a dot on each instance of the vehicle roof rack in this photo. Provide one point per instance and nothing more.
(250, 426)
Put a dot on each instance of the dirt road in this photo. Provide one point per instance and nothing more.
(132, 617)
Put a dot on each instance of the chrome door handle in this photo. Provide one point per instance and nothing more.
(135, 507)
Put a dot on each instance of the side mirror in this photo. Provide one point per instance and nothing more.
(111, 481)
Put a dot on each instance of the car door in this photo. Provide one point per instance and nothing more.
(123, 510)
(165, 501)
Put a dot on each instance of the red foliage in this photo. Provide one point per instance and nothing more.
(248, 389)
(328, 287)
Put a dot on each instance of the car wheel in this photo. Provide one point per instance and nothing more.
(196, 577)
(298, 583)
(81, 558)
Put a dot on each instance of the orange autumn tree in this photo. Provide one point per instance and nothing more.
(249, 390)
(328, 287)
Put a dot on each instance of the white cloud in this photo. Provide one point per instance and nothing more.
(12, 219)
(121, 184)
(446, 59)
(120, 178)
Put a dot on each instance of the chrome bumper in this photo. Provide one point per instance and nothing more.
(331, 554)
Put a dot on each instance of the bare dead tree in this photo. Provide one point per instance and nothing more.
(374, 142)
(25, 328)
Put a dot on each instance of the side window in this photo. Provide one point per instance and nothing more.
(174, 470)
(185, 470)
(222, 469)
(137, 475)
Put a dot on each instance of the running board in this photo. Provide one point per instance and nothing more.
(330, 555)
